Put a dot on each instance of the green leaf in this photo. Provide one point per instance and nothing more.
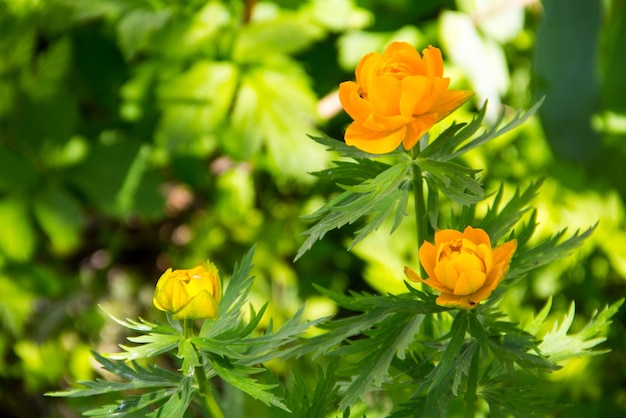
(454, 180)
(377, 196)
(16, 173)
(136, 28)
(390, 338)
(448, 145)
(178, 403)
(549, 250)
(139, 377)
(262, 38)
(237, 376)
(440, 379)
(17, 233)
(131, 404)
(499, 221)
(59, 215)
(558, 345)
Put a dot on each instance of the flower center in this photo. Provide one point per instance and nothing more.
(460, 267)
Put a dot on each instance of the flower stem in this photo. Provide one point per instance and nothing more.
(203, 384)
(472, 385)
(205, 390)
(418, 197)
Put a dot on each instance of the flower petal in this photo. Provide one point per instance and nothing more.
(449, 101)
(428, 258)
(384, 95)
(353, 104)
(201, 306)
(374, 142)
(433, 61)
(453, 301)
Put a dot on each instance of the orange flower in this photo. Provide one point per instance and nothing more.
(189, 294)
(463, 266)
(397, 97)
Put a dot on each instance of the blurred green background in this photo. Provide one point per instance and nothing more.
(141, 134)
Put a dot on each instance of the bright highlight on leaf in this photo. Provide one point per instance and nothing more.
(463, 266)
(397, 97)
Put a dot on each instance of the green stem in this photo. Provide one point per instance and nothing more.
(205, 390)
(418, 197)
(203, 384)
(472, 385)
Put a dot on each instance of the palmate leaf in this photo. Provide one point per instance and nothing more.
(377, 197)
(558, 345)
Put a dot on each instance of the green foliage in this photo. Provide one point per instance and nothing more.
(226, 348)
(138, 135)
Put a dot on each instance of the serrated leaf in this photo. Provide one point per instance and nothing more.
(178, 403)
(558, 345)
(500, 219)
(131, 404)
(238, 377)
(452, 179)
(390, 338)
(139, 377)
(187, 352)
(377, 196)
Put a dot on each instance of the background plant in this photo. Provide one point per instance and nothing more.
(111, 167)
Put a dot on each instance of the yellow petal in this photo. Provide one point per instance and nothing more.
(201, 306)
(384, 95)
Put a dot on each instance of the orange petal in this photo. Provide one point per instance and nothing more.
(433, 61)
(418, 127)
(453, 301)
(404, 53)
(504, 252)
(369, 66)
(446, 235)
(428, 258)
(469, 281)
(384, 95)
(353, 104)
(449, 101)
(477, 236)
(415, 90)
(374, 142)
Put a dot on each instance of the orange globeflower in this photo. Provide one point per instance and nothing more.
(397, 97)
(189, 294)
(463, 266)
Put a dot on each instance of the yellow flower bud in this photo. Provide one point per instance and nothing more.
(463, 266)
(189, 294)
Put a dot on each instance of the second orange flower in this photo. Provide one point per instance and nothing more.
(397, 97)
